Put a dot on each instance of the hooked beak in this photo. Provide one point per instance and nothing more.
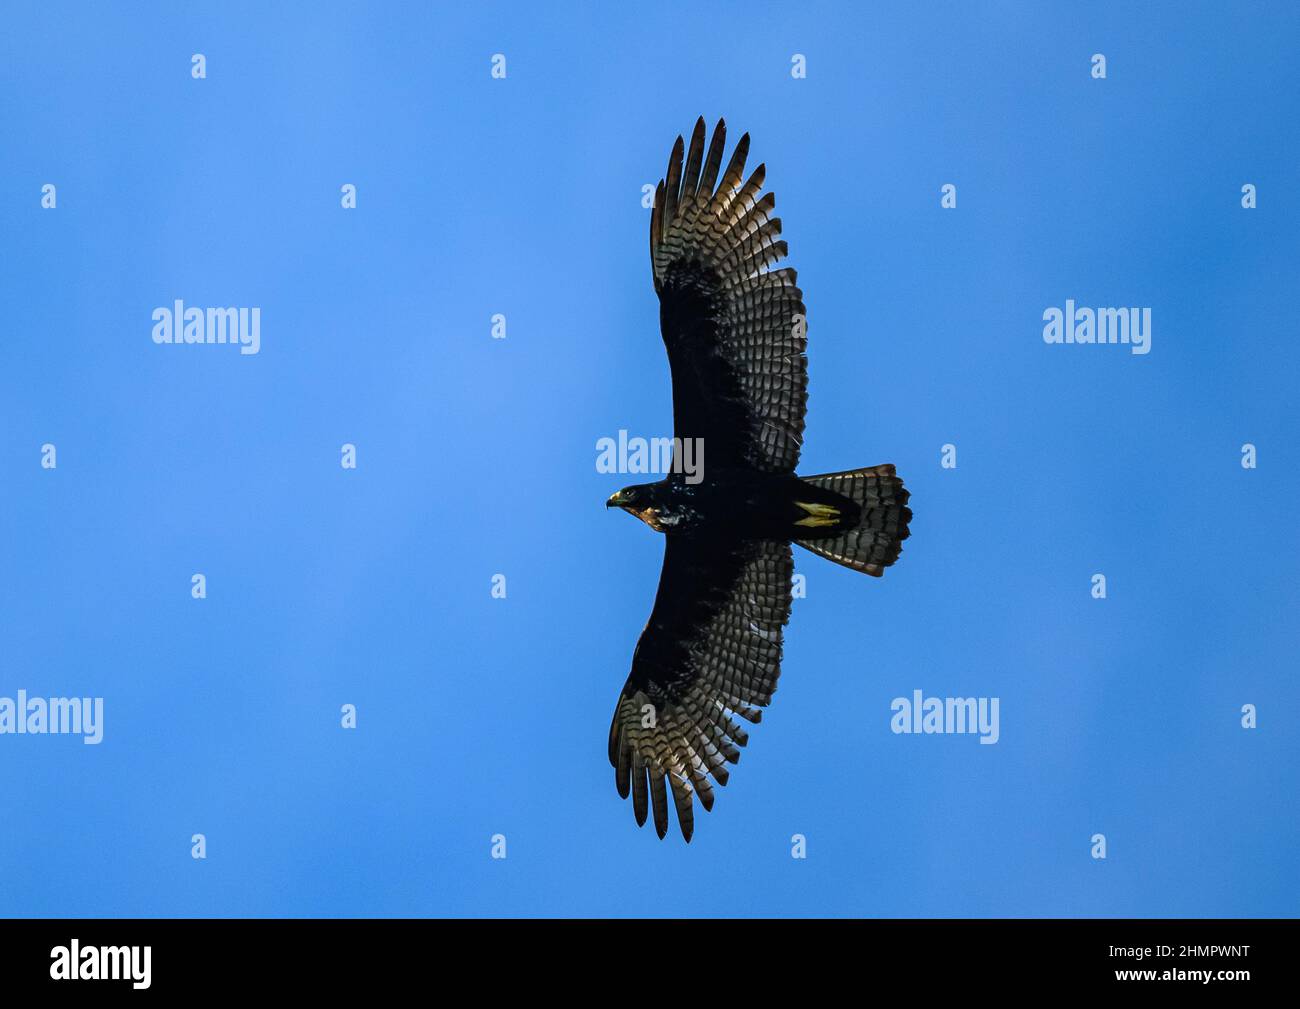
(613, 500)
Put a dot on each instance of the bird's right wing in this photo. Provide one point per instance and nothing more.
(734, 326)
(711, 650)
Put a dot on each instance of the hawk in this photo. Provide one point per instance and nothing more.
(734, 327)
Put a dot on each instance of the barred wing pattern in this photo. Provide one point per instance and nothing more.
(734, 327)
(710, 651)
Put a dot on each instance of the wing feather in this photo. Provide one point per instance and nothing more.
(673, 185)
(691, 177)
(659, 800)
(710, 652)
(732, 323)
(638, 787)
(734, 173)
(713, 161)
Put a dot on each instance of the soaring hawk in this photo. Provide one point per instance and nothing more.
(734, 328)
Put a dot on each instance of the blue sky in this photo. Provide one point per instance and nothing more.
(476, 456)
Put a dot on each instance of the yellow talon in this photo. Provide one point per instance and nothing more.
(818, 514)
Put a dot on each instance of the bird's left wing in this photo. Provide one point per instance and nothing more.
(734, 325)
(710, 651)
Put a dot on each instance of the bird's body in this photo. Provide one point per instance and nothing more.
(735, 332)
(740, 504)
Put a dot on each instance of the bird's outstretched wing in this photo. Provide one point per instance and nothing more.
(734, 327)
(710, 651)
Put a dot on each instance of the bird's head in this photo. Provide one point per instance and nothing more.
(637, 500)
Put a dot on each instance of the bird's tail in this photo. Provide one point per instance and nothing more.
(877, 539)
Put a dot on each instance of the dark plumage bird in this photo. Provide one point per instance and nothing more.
(734, 328)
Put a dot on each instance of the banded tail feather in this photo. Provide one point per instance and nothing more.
(877, 540)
